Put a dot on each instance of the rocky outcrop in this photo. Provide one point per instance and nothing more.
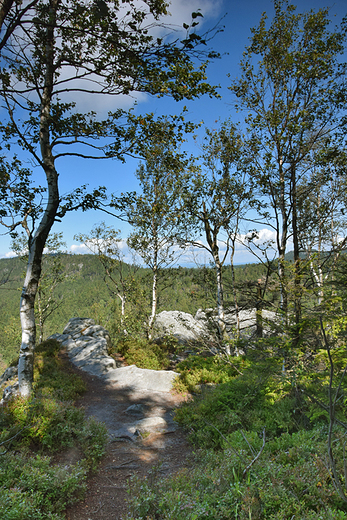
(87, 346)
(247, 320)
(12, 390)
(9, 373)
(182, 326)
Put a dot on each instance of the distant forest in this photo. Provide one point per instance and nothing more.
(84, 293)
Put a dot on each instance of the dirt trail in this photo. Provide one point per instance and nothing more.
(126, 455)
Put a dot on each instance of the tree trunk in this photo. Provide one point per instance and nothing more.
(27, 302)
(237, 310)
(40, 313)
(154, 281)
(297, 267)
(259, 311)
(154, 302)
(220, 299)
(37, 242)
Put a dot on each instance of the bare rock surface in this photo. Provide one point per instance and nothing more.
(87, 346)
(180, 325)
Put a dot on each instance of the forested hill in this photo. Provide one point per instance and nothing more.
(83, 292)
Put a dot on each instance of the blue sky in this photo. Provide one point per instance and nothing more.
(239, 17)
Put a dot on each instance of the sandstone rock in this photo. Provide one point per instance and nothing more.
(141, 379)
(181, 325)
(247, 319)
(87, 347)
(10, 391)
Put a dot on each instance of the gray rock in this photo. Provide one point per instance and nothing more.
(247, 320)
(151, 424)
(135, 409)
(9, 373)
(78, 325)
(141, 379)
(131, 431)
(87, 347)
(10, 391)
(181, 325)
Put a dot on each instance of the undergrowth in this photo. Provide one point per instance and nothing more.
(144, 353)
(261, 435)
(32, 430)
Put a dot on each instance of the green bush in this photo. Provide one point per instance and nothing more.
(260, 397)
(290, 480)
(31, 486)
(144, 353)
(53, 378)
(198, 370)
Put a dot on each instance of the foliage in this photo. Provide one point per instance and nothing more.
(216, 198)
(107, 49)
(160, 224)
(143, 353)
(290, 481)
(234, 473)
(52, 275)
(258, 398)
(197, 370)
(119, 277)
(289, 87)
(48, 419)
(33, 487)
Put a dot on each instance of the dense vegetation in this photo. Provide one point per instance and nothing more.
(33, 431)
(263, 422)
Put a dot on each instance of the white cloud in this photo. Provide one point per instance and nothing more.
(79, 249)
(9, 254)
(181, 10)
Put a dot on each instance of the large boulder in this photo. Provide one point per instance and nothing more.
(180, 325)
(87, 346)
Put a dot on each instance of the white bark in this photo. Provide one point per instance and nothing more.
(37, 242)
(154, 300)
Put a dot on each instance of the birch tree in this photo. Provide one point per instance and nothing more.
(321, 212)
(102, 48)
(156, 213)
(218, 196)
(53, 273)
(105, 242)
(287, 87)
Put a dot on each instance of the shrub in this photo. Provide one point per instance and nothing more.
(31, 486)
(290, 480)
(197, 370)
(143, 353)
(260, 397)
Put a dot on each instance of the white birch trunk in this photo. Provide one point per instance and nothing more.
(37, 242)
(154, 303)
